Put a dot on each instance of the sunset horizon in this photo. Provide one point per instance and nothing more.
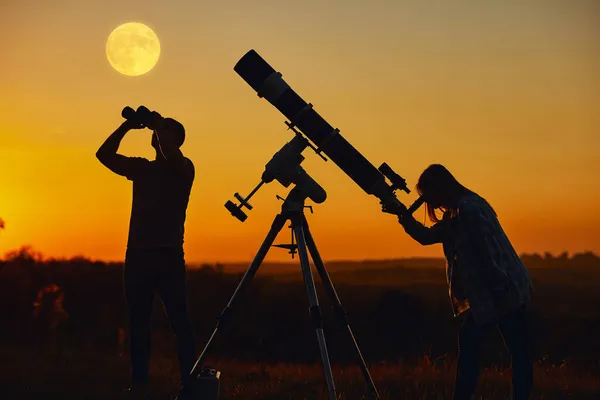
(511, 111)
(28, 250)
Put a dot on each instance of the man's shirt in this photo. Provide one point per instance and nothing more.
(161, 192)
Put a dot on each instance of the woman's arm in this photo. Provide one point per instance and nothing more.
(419, 232)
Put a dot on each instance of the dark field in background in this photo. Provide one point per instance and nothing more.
(399, 311)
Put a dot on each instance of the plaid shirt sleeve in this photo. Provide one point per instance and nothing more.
(421, 233)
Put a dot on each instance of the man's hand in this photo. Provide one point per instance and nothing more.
(129, 124)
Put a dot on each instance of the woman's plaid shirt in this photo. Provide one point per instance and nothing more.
(484, 272)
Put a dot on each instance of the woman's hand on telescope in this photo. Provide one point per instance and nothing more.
(397, 209)
(384, 208)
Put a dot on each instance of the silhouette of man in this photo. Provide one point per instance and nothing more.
(154, 259)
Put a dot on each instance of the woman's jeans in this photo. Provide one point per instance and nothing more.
(515, 332)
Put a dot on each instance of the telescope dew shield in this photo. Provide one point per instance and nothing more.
(269, 84)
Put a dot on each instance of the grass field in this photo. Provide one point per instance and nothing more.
(398, 309)
(95, 375)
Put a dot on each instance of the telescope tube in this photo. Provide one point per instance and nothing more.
(268, 84)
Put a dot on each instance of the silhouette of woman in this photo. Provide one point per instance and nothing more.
(488, 283)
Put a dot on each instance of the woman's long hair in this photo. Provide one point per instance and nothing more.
(437, 177)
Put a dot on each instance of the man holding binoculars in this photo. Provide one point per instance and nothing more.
(154, 259)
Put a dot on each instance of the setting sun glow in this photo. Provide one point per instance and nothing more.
(504, 94)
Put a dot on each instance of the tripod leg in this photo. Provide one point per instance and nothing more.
(315, 311)
(225, 317)
(337, 305)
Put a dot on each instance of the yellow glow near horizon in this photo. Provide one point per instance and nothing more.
(133, 49)
(505, 95)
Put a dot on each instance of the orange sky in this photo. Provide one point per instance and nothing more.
(506, 95)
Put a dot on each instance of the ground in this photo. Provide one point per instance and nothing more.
(93, 375)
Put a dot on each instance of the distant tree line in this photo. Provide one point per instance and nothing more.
(78, 303)
(578, 260)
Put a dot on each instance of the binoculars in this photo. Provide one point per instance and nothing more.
(142, 116)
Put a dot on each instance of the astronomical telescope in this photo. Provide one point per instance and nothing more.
(285, 168)
(270, 85)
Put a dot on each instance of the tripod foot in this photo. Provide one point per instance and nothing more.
(205, 386)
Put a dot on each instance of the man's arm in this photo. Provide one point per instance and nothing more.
(117, 163)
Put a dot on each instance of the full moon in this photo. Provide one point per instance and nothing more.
(132, 49)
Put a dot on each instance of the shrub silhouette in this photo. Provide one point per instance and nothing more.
(391, 321)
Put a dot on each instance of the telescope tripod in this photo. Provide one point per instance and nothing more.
(293, 210)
